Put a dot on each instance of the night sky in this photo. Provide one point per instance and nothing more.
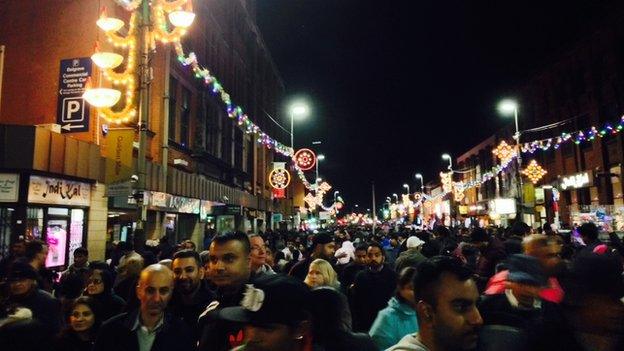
(394, 84)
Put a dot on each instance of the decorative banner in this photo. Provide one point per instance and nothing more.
(324, 187)
(305, 159)
(279, 178)
(534, 172)
(119, 155)
(458, 191)
(311, 200)
(447, 181)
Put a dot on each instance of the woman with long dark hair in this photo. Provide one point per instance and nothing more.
(99, 286)
(82, 326)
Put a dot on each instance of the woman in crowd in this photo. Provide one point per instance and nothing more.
(82, 326)
(100, 287)
(399, 318)
(321, 273)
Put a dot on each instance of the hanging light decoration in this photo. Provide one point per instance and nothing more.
(534, 172)
(101, 97)
(182, 19)
(107, 60)
(504, 152)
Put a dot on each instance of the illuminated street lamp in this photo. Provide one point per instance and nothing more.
(297, 109)
(509, 107)
(422, 182)
(449, 159)
(406, 186)
(396, 197)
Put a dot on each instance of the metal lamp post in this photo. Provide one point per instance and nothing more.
(509, 107)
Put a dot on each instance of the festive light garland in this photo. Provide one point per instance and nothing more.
(504, 152)
(279, 178)
(534, 172)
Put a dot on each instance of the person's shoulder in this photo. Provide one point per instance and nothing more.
(408, 343)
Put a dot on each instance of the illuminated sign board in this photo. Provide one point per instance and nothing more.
(575, 181)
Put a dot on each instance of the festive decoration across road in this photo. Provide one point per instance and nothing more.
(279, 178)
(504, 152)
(305, 159)
(534, 172)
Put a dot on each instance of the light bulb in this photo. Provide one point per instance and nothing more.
(182, 19)
(102, 97)
(110, 24)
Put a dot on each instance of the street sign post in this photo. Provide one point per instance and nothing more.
(72, 112)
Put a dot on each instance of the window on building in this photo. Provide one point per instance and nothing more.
(185, 116)
(173, 94)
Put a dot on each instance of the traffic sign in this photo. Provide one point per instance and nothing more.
(72, 111)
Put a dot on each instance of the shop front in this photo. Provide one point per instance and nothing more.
(50, 209)
(179, 215)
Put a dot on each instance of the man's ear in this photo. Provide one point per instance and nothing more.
(202, 272)
(424, 311)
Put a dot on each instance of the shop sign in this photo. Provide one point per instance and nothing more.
(167, 202)
(72, 111)
(233, 210)
(575, 181)
(9, 187)
(208, 208)
(503, 206)
(54, 191)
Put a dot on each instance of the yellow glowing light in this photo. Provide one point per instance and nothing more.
(110, 24)
(101, 97)
(504, 152)
(182, 19)
(534, 172)
(107, 60)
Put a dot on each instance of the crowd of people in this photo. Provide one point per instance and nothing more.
(338, 289)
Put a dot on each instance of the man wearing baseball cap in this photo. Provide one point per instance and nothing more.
(275, 313)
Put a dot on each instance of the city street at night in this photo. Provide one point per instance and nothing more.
(311, 175)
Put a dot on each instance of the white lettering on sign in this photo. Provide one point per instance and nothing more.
(575, 181)
(9, 187)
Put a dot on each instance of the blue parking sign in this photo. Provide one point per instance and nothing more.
(72, 111)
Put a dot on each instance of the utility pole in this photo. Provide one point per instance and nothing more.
(374, 207)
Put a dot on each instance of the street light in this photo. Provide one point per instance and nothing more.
(319, 158)
(406, 186)
(396, 197)
(508, 107)
(450, 160)
(299, 109)
(422, 182)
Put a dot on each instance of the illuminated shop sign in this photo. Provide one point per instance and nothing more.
(575, 181)
(54, 191)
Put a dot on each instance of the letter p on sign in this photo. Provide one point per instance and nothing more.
(73, 109)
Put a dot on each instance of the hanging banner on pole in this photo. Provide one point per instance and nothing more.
(119, 155)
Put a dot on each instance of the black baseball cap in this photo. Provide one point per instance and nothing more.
(271, 299)
(322, 238)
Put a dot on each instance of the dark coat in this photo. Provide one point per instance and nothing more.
(45, 308)
(189, 313)
(117, 334)
(300, 269)
(370, 294)
(218, 334)
(69, 341)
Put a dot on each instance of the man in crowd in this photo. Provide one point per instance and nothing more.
(412, 256)
(546, 250)
(446, 308)
(258, 256)
(589, 234)
(81, 263)
(351, 270)
(372, 289)
(191, 294)
(520, 314)
(127, 249)
(229, 271)
(274, 313)
(323, 246)
(492, 253)
(36, 253)
(149, 327)
(17, 250)
(23, 292)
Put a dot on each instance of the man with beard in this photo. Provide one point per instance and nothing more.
(446, 308)
(351, 270)
(323, 246)
(372, 289)
(149, 327)
(229, 270)
(191, 294)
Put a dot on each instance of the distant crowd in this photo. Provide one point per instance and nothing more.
(339, 289)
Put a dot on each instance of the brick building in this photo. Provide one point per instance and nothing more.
(202, 170)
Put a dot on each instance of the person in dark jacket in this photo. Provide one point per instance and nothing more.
(323, 246)
(492, 253)
(99, 286)
(329, 309)
(191, 294)
(149, 327)
(83, 324)
(372, 289)
(25, 293)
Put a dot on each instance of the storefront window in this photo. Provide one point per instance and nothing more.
(75, 232)
(34, 223)
(56, 238)
(225, 224)
(5, 229)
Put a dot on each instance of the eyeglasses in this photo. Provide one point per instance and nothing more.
(94, 281)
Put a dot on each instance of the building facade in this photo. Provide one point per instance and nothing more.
(203, 171)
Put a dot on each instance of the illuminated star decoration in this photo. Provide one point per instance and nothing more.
(279, 178)
(504, 152)
(310, 200)
(447, 181)
(305, 159)
(534, 172)
(458, 191)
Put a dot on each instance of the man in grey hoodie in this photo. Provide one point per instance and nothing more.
(446, 308)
